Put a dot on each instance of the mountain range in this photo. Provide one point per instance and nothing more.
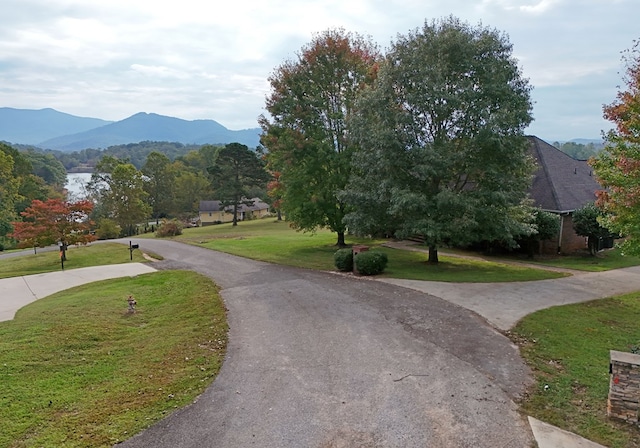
(51, 129)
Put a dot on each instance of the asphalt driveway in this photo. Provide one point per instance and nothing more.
(322, 360)
(504, 304)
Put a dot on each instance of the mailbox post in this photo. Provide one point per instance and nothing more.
(131, 248)
(61, 247)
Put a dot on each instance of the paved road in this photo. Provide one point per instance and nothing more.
(323, 360)
(504, 304)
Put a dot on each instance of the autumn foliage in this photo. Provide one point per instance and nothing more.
(307, 137)
(618, 166)
(52, 221)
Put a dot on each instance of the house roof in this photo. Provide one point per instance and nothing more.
(561, 183)
(214, 206)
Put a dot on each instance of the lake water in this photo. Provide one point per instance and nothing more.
(76, 183)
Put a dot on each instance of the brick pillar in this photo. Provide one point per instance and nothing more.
(624, 386)
(356, 250)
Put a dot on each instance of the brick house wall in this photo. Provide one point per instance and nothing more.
(567, 242)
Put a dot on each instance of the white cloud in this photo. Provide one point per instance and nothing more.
(526, 6)
(159, 71)
(198, 59)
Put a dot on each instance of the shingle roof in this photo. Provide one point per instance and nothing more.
(561, 183)
(214, 206)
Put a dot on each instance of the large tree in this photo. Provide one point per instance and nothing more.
(307, 138)
(190, 188)
(617, 167)
(234, 173)
(442, 151)
(159, 183)
(54, 221)
(118, 188)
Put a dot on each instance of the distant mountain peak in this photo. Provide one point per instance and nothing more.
(51, 129)
(30, 126)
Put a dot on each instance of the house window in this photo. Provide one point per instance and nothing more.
(209, 213)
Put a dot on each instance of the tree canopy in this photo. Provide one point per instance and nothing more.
(119, 188)
(19, 186)
(441, 145)
(236, 170)
(159, 183)
(307, 139)
(586, 223)
(617, 167)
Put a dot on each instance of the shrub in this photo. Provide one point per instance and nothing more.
(169, 228)
(371, 262)
(343, 260)
(107, 229)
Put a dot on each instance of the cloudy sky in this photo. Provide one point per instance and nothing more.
(197, 59)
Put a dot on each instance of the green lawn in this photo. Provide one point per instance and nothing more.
(77, 370)
(413, 266)
(275, 242)
(80, 257)
(603, 261)
(568, 348)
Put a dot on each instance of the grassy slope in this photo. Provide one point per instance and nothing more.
(568, 348)
(78, 370)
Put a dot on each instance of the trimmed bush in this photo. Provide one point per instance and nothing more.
(371, 262)
(169, 228)
(107, 229)
(343, 260)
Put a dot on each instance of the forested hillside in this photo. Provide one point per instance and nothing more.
(136, 153)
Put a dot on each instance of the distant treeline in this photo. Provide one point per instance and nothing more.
(136, 153)
(579, 151)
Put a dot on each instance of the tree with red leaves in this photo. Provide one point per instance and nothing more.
(54, 221)
(617, 167)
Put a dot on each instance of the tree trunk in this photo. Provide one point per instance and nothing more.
(433, 254)
(235, 214)
(531, 248)
(279, 214)
(341, 242)
(592, 244)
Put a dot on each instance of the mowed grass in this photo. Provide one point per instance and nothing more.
(78, 370)
(275, 242)
(77, 257)
(568, 349)
(603, 261)
(271, 241)
(414, 265)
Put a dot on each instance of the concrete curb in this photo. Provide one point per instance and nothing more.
(548, 436)
(17, 292)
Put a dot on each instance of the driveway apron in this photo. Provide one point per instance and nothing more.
(319, 359)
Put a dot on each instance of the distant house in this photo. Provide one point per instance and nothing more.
(211, 212)
(561, 185)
